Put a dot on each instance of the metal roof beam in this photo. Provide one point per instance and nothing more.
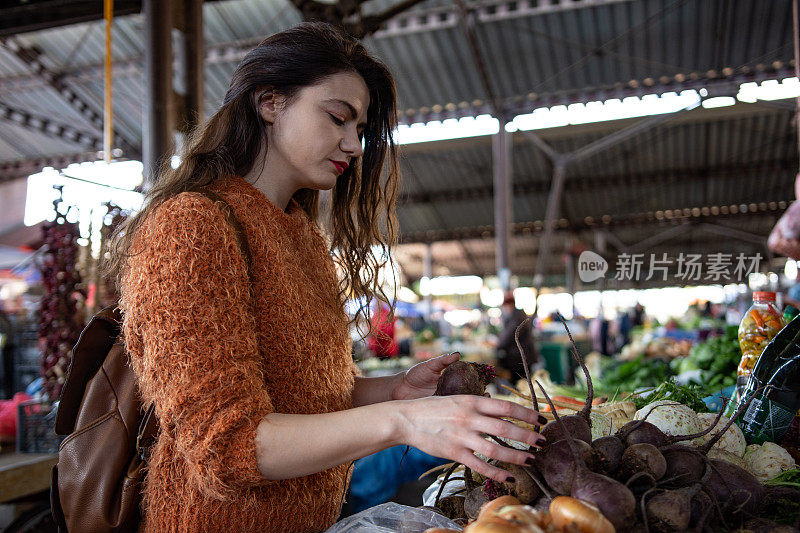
(714, 82)
(20, 16)
(49, 127)
(485, 11)
(31, 57)
(697, 214)
(593, 182)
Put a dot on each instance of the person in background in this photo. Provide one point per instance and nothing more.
(381, 339)
(7, 349)
(508, 355)
(637, 316)
(625, 325)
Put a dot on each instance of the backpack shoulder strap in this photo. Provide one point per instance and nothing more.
(230, 217)
(88, 355)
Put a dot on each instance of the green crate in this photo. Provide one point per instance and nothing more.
(556, 360)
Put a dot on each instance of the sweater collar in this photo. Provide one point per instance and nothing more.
(293, 211)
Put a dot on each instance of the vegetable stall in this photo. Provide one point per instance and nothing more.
(660, 459)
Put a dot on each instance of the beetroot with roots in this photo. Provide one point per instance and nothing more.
(685, 465)
(670, 510)
(575, 425)
(736, 489)
(611, 497)
(642, 457)
(609, 451)
(464, 378)
(641, 432)
(557, 464)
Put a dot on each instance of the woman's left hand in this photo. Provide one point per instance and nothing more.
(420, 380)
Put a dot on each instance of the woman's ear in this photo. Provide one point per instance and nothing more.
(267, 103)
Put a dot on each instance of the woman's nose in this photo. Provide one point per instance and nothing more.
(351, 145)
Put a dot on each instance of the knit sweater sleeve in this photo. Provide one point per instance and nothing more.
(192, 340)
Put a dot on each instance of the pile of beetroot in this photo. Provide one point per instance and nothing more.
(639, 478)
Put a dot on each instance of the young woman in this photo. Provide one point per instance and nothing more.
(259, 406)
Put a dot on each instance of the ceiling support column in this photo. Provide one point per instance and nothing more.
(159, 112)
(189, 90)
(503, 207)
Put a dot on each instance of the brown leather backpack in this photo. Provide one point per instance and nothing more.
(96, 485)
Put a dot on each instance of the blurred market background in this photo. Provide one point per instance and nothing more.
(569, 157)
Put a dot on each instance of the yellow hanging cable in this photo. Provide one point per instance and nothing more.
(108, 123)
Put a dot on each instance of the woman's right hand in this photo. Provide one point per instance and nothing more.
(453, 427)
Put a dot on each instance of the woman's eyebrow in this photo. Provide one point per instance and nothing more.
(350, 108)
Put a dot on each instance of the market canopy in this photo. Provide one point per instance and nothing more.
(705, 180)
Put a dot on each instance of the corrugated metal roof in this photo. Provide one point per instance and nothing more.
(591, 47)
(706, 158)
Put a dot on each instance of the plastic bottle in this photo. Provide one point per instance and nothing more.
(775, 387)
(758, 327)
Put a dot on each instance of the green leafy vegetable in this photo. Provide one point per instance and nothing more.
(632, 375)
(790, 478)
(717, 359)
(689, 395)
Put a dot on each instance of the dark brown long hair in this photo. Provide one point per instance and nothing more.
(362, 225)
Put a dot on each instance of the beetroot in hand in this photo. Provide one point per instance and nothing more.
(464, 378)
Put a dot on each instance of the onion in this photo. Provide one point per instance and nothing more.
(585, 516)
(491, 507)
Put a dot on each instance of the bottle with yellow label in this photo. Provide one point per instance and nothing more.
(760, 324)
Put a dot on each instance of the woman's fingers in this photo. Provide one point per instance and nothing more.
(496, 451)
(483, 468)
(502, 408)
(508, 430)
(438, 364)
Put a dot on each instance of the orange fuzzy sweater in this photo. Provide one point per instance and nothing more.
(214, 367)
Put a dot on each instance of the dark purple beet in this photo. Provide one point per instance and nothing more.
(735, 488)
(557, 464)
(642, 457)
(641, 432)
(685, 465)
(611, 497)
(576, 426)
(614, 499)
(609, 453)
(670, 510)
(464, 378)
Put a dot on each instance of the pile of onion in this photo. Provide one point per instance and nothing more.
(507, 514)
(60, 319)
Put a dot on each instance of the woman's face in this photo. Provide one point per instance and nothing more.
(313, 138)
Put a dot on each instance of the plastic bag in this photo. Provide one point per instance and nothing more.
(429, 496)
(392, 518)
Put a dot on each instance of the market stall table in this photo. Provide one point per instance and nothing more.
(24, 474)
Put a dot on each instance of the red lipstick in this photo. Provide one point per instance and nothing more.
(341, 166)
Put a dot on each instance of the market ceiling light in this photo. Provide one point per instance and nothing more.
(790, 270)
(446, 285)
(95, 183)
(751, 92)
(719, 101)
(596, 111)
(449, 129)
(491, 297)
